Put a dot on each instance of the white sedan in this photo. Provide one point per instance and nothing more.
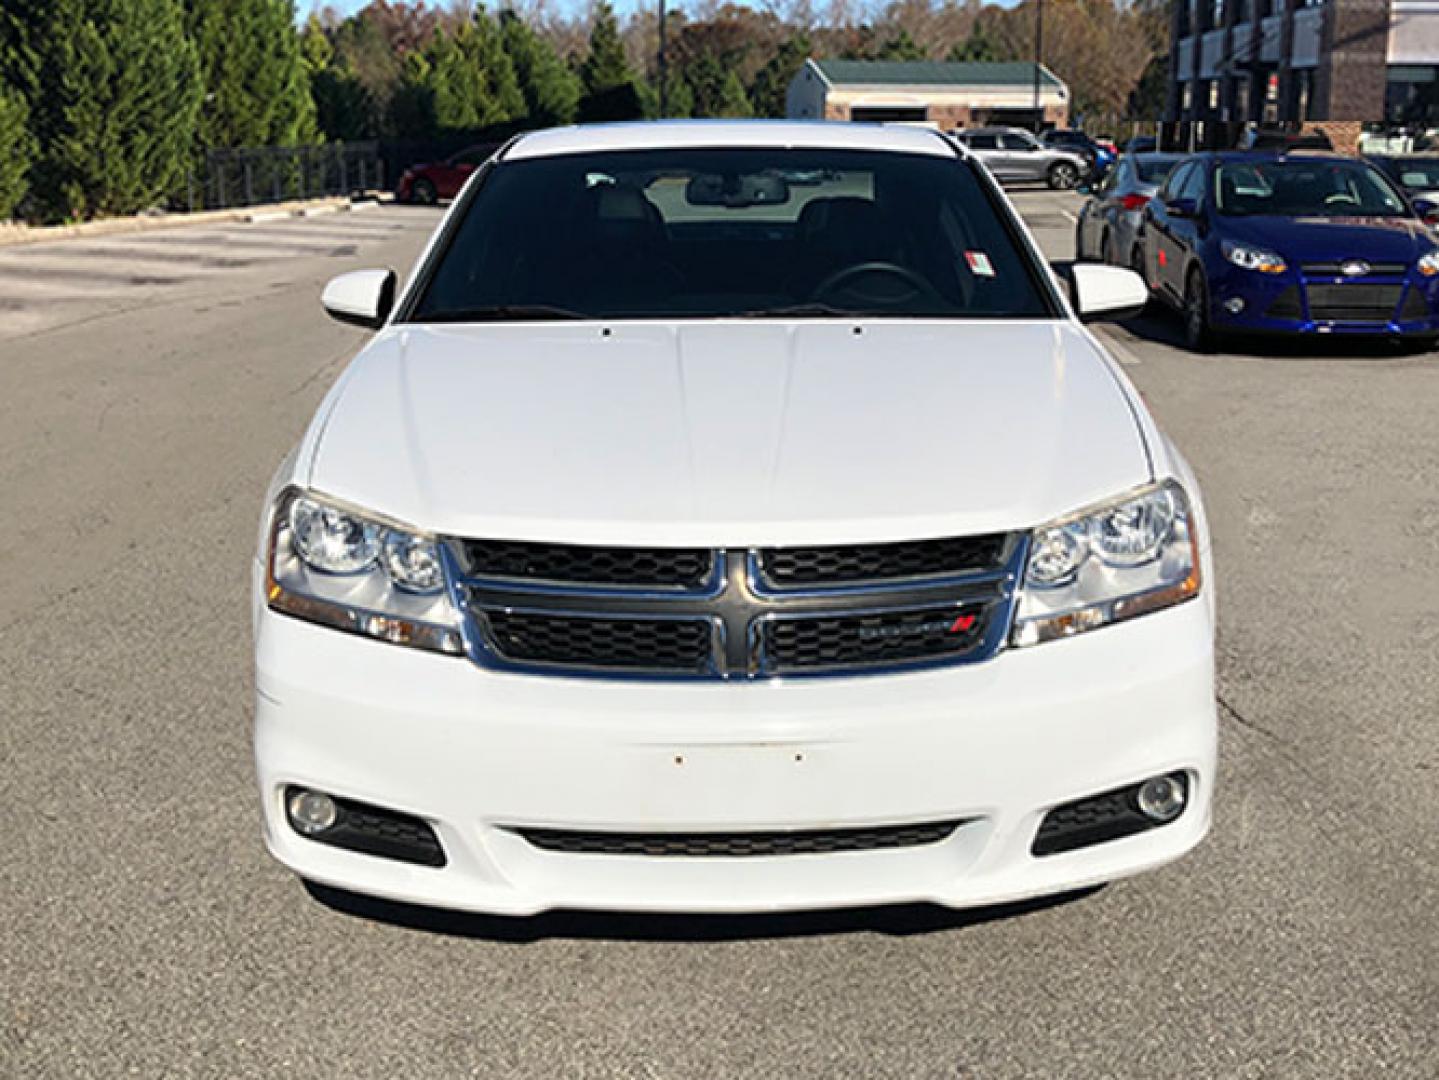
(691, 538)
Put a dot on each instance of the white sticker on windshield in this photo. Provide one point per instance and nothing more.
(979, 264)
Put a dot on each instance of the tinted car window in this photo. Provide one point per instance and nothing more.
(1175, 180)
(1016, 142)
(1153, 170)
(1297, 186)
(714, 233)
(1192, 186)
(982, 142)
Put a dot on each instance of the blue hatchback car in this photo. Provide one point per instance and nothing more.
(1296, 243)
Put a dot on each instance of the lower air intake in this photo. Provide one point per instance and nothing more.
(739, 845)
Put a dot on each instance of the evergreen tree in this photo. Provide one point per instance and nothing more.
(551, 90)
(605, 67)
(717, 89)
(121, 92)
(771, 83)
(257, 91)
(412, 109)
(504, 100)
(679, 100)
(900, 47)
(342, 105)
(979, 46)
(17, 149)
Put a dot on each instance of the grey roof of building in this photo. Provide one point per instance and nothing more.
(933, 73)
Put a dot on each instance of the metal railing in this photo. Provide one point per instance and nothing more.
(254, 176)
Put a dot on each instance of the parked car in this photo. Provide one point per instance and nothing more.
(1108, 227)
(1014, 155)
(1100, 157)
(1281, 139)
(1416, 174)
(1298, 243)
(687, 541)
(428, 184)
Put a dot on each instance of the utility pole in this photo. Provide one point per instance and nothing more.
(664, 81)
(1038, 59)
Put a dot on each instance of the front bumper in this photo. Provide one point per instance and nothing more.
(474, 751)
(1285, 304)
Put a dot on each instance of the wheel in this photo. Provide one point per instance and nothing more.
(424, 193)
(1063, 176)
(1106, 248)
(1079, 254)
(1198, 334)
(1136, 263)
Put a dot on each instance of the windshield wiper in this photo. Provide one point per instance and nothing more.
(799, 311)
(502, 313)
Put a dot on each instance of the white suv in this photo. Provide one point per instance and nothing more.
(732, 517)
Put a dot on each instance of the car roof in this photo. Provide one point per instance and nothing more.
(1226, 157)
(737, 134)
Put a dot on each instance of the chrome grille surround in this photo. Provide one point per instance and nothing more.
(740, 606)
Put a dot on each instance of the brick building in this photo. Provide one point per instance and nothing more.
(945, 95)
(1300, 60)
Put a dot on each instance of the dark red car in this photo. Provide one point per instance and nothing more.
(428, 184)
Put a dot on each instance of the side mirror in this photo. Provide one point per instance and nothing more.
(1111, 291)
(1181, 208)
(361, 297)
(1428, 210)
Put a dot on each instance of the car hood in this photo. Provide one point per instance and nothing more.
(729, 433)
(1328, 239)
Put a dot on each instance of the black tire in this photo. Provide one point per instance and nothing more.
(1106, 251)
(1063, 176)
(1079, 255)
(1136, 263)
(1198, 333)
(423, 193)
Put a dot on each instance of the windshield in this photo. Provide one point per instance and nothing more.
(1294, 187)
(1418, 174)
(1153, 170)
(694, 233)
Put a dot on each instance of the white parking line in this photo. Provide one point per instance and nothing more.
(1121, 351)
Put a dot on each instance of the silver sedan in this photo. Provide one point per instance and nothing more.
(1109, 220)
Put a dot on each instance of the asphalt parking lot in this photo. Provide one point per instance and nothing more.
(149, 385)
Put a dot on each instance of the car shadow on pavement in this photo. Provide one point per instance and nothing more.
(901, 920)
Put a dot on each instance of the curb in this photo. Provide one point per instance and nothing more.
(13, 235)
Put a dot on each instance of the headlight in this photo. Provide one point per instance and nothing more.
(1137, 554)
(345, 568)
(1247, 257)
(1429, 263)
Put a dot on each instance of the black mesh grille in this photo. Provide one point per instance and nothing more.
(1353, 303)
(739, 845)
(679, 645)
(849, 563)
(374, 830)
(1334, 269)
(1094, 820)
(1286, 305)
(795, 644)
(1415, 306)
(631, 567)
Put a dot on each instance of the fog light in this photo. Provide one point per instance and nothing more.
(313, 812)
(1162, 799)
(1234, 305)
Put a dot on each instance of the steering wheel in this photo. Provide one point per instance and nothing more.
(1340, 197)
(847, 279)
